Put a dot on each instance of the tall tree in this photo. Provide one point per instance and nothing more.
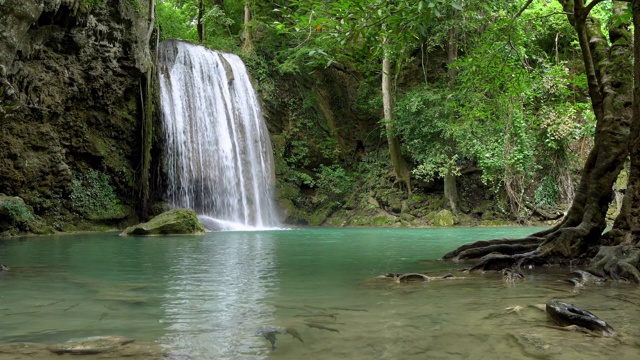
(247, 40)
(609, 75)
(450, 187)
(362, 33)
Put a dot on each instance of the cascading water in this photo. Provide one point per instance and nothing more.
(217, 150)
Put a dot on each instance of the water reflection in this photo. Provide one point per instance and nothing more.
(217, 293)
(206, 296)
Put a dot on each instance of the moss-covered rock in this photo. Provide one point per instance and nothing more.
(173, 222)
(16, 216)
(320, 215)
(444, 218)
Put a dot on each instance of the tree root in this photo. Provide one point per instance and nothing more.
(617, 262)
(479, 249)
(561, 245)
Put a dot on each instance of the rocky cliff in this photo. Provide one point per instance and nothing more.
(71, 79)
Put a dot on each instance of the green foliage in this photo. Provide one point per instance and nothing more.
(425, 117)
(93, 196)
(547, 193)
(334, 183)
(178, 20)
(16, 210)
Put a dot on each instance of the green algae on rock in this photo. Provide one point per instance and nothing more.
(172, 222)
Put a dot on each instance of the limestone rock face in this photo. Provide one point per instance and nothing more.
(172, 222)
(70, 78)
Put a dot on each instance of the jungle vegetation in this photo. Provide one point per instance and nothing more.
(535, 96)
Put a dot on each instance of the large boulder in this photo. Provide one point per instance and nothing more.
(172, 222)
(444, 218)
(15, 215)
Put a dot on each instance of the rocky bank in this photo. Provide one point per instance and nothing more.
(71, 74)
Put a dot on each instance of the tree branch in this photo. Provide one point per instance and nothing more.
(523, 9)
(593, 3)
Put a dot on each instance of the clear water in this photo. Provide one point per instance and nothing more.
(207, 296)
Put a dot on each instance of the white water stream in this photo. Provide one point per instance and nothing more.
(218, 154)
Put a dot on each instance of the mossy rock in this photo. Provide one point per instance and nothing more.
(495, 223)
(359, 220)
(15, 216)
(382, 221)
(407, 217)
(335, 221)
(444, 218)
(287, 191)
(173, 222)
(319, 216)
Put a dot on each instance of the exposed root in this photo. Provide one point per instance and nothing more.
(497, 262)
(479, 249)
(617, 262)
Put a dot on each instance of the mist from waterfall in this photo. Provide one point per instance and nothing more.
(218, 155)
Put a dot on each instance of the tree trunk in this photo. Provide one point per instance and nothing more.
(247, 41)
(220, 3)
(626, 228)
(400, 166)
(451, 191)
(609, 76)
(200, 24)
(450, 188)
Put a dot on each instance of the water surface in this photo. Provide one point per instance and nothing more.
(205, 297)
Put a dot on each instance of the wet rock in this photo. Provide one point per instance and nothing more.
(173, 222)
(96, 345)
(69, 89)
(15, 214)
(565, 314)
(444, 218)
(102, 347)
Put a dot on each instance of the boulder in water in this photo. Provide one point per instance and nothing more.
(565, 314)
(91, 346)
(172, 222)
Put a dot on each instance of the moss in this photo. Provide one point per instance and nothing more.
(495, 223)
(16, 216)
(318, 217)
(444, 218)
(335, 221)
(382, 221)
(177, 221)
(93, 197)
(359, 220)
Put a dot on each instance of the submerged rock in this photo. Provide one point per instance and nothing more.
(565, 314)
(95, 345)
(98, 347)
(269, 332)
(173, 222)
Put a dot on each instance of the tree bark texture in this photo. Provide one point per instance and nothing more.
(609, 74)
(622, 260)
(200, 24)
(247, 40)
(400, 166)
(626, 228)
(450, 188)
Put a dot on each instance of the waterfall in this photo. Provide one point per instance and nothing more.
(218, 155)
